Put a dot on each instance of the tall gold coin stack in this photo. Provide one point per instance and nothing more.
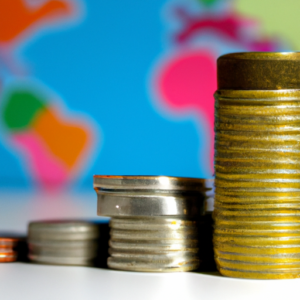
(257, 165)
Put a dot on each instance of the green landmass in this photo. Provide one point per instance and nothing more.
(20, 108)
(208, 2)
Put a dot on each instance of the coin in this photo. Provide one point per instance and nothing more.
(6, 242)
(154, 183)
(7, 256)
(63, 230)
(63, 242)
(8, 247)
(61, 260)
(154, 221)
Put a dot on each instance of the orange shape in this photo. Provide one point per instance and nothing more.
(16, 16)
(66, 140)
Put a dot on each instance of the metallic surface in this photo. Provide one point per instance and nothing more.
(60, 253)
(6, 242)
(157, 183)
(8, 251)
(8, 256)
(153, 244)
(259, 71)
(63, 242)
(152, 224)
(82, 248)
(257, 155)
(61, 260)
(62, 230)
(113, 203)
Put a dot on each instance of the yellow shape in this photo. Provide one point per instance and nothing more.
(278, 18)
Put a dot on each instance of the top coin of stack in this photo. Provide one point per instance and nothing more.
(257, 160)
(154, 221)
(63, 242)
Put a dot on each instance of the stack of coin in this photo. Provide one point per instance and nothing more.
(257, 160)
(63, 242)
(8, 251)
(154, 221)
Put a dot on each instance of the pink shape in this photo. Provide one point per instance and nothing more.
(187, 80)
(45, 168)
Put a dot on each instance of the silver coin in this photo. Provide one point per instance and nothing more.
(157, 183)
(63, 248)
(76, 261)
(154, 234)
(170, 256)
(141, 204)
(63, 244)
(153, 244)
(63, 230)
(87, 252)
(152, 227)
(152, 266)
(152, 223)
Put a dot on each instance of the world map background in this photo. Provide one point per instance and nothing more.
(134, 79)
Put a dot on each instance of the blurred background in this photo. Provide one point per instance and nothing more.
(102, 87)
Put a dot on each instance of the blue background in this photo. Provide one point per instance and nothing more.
(101, 66)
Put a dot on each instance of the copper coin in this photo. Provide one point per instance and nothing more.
(8, 242)
(7, 255)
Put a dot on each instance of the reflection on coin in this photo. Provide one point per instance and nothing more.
(8, 251)
(8, 256)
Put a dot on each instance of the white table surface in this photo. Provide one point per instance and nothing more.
(42, 282)
(21, 281)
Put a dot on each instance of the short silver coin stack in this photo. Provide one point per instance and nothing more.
(63, 242)
(153, 221)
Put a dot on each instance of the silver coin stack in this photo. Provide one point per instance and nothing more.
(63, 242)
(153, 221)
